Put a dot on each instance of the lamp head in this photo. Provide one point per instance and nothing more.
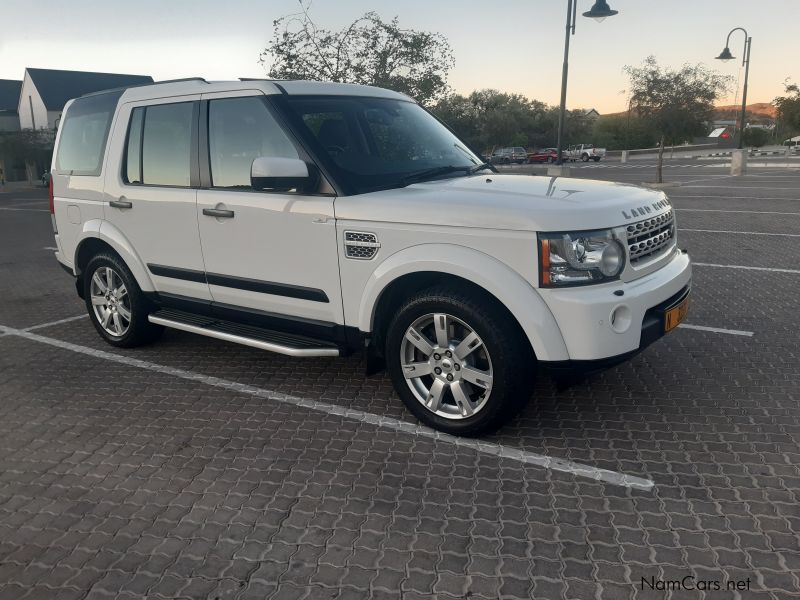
(600, 11)
(725, 55)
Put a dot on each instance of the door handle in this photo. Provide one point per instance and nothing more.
(218, 212)
(121, 203)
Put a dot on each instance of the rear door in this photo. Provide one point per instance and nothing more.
(152, 198)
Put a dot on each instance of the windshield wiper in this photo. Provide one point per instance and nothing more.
(431, 173)
(481, 167)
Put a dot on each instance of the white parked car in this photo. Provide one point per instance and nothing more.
(318, 219)
(585, 153)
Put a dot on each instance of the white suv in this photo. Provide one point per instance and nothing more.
(316, 219)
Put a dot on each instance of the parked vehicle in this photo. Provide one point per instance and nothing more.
(319, 219)
(547, 155)
(506, 156)
(585, 153)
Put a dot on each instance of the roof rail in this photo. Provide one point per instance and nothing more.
(135, 85)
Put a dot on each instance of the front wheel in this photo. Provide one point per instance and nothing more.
(117, 307)
(458, 363)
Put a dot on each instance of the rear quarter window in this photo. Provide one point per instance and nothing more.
(84, 133)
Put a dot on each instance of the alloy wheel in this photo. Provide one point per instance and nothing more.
(110, 301)
(446, 366)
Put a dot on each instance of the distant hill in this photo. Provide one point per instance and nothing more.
(764, 110)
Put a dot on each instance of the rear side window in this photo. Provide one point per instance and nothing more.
(84, 133)
(159, 146)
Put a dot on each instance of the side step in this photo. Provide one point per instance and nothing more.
(247, 335)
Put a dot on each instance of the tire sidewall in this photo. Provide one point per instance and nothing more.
(138, 303)
(493, 338)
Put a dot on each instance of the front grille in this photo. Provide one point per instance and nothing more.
(360, 245)
(650, 237)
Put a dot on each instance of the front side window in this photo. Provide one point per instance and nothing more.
(377, 143)
(239, 131)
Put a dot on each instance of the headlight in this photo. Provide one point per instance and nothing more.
(579, 258)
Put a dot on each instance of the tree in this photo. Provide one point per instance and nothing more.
(489, 118)
(622, 132)
(29, 147)
(755, 137)
(788, 110)
(677, 103)
(369, 51)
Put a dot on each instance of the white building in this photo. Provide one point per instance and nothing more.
(45, 92)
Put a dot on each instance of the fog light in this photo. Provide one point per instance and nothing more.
(620, 319)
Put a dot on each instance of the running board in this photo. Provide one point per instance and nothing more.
(247, 335)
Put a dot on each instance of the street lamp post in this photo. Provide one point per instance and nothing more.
(599, 12)
(725, 56)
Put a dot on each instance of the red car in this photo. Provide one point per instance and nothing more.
(548, 155)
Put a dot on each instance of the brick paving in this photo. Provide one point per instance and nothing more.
(121, 482)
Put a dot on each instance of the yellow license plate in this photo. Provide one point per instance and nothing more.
(675, 315)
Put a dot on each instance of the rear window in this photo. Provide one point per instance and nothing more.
(84, 133)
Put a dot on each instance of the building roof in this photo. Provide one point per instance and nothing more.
(57, 87)
(9, 94)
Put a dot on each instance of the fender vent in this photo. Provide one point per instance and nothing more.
(360, 245)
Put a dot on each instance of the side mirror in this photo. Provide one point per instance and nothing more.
(277, 173)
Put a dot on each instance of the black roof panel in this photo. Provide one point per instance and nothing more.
(9, 94)
(57, 87)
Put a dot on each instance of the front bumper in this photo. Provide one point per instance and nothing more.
(609, 323)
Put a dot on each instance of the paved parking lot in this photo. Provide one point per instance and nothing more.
(199, 469)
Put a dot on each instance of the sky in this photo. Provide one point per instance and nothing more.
(513, 45)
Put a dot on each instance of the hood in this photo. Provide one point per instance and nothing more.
(511, 202)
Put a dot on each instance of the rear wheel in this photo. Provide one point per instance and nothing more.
(117, 307)
(596, 158)
(457, 362)
(585, 157)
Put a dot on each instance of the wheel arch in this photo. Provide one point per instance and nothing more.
(411, 270)
(97, 236)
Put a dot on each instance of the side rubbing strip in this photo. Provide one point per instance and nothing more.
(177, 273)
(241, 283)
(268, 287)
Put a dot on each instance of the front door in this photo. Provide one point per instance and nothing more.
(269, 251)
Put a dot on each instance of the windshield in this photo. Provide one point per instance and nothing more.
(377, 143)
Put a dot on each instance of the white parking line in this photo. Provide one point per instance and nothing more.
(59, 322)
(757, 212)
(677, 196)
(483, 447)
(741, 232)
(769, 269)
(716, 329)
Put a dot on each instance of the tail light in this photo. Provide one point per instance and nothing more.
(52, 205)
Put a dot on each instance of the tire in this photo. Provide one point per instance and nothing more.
(120, 330)
(500, 357)
(585, 157)
(596, 158)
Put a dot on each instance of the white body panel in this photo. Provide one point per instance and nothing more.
(280, 238)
